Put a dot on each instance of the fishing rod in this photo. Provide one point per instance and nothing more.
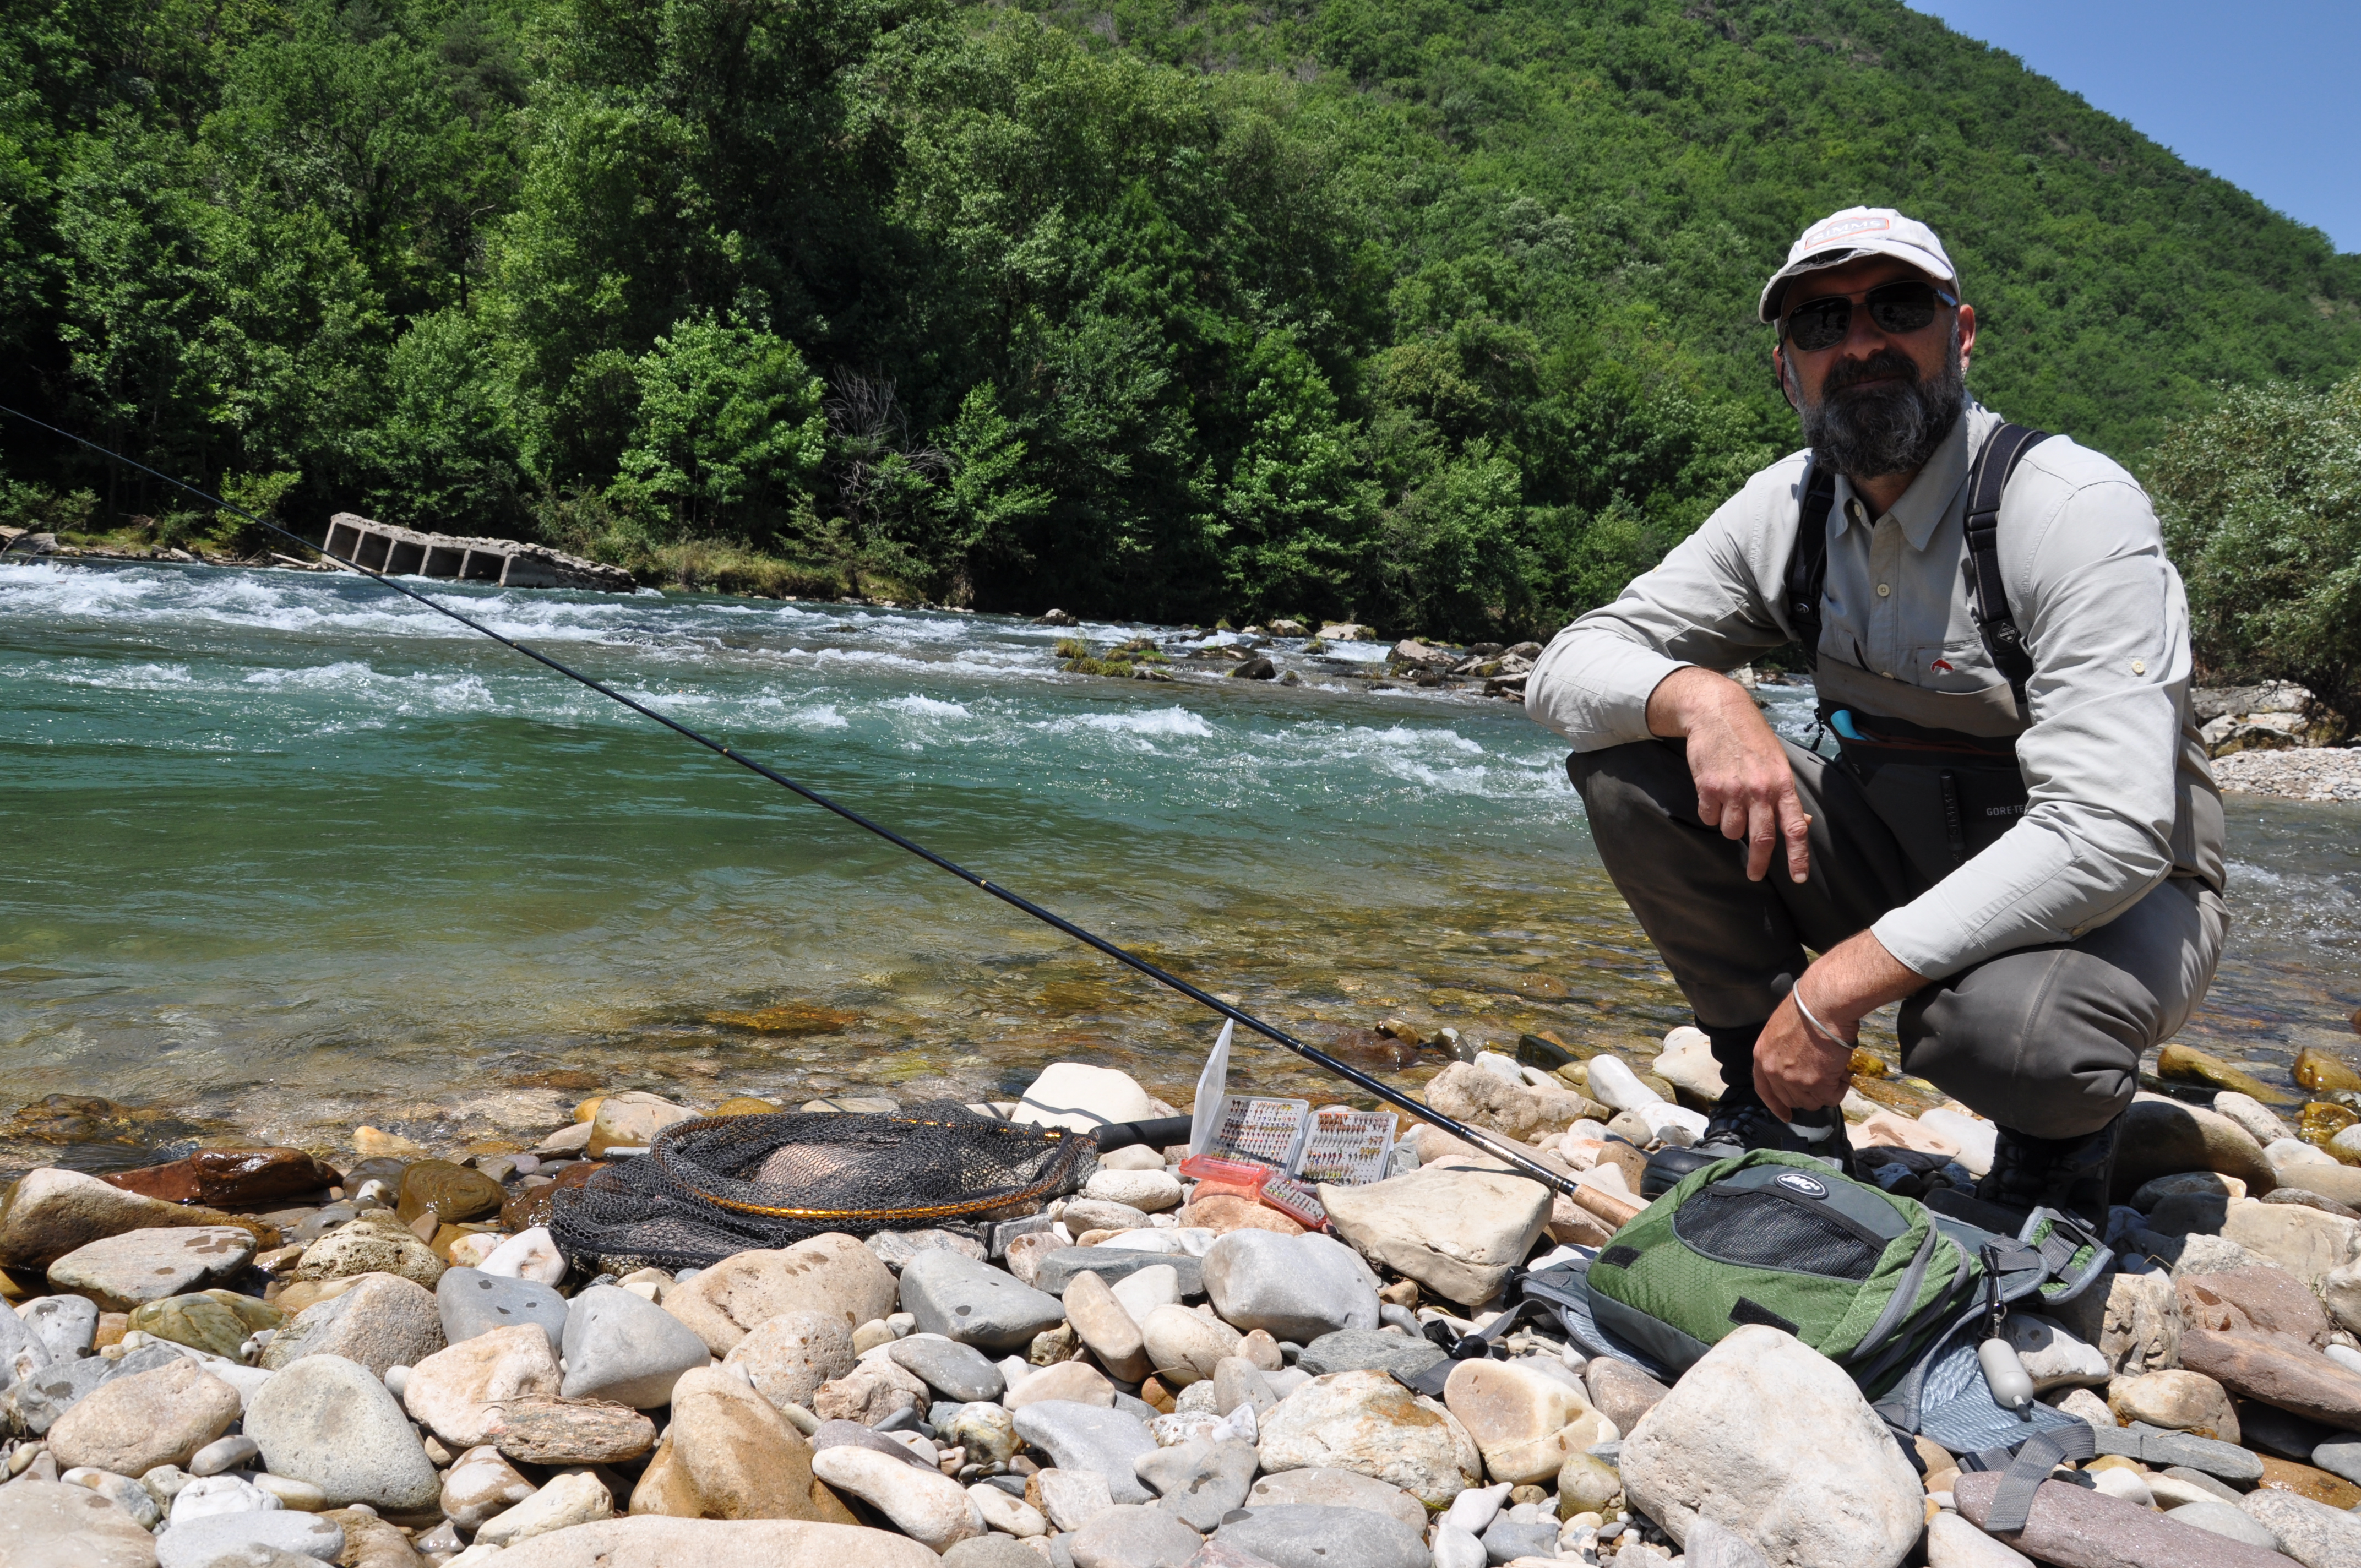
(1521, 1162)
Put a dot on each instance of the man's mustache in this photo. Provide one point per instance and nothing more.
(1885, 362)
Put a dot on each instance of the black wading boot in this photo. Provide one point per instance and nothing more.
(1740, 1122)
(2068, 1174)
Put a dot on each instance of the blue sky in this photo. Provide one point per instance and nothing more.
(2267, 95)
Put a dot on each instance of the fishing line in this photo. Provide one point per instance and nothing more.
(1524, 1164)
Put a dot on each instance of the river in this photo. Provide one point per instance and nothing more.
(287, 853)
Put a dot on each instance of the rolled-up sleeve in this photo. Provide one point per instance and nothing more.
(1699, 605)
(2105, 619)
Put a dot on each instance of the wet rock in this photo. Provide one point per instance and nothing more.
(975, 1303)
(2307, 1481)
(2074, 1527)
(229, 1177)
(653, 1542)
(1294, 1288)
(927, 1506)
(470, 1302)
(633, 1120)
(481, 1484)
(2279, 1373)
(1368, 1350)
(131, 1425)
(217, 1322)
(1129, 1536)
(1185, 1346)
(1199, 1481)
(64, 1326)
(1328, 1487)
(832, 1274)
(956, 1371)
(1113, 1265)
(789, 1357)
(363, 1249)
(1296, 1535)
(1083, 1437)
(382, 1322)
(50, 1212)
(733, 1456)
(1772, 1440)
(120, 1272)
(453, 1390)
(895, 1249)
(623, 1348)
(2314, 1535)
(1458, 1230)
(327, 1421)
(538, 1430)
(1073, 1094)
(2161, 1137)
(452, 1193)
(1366, 1422)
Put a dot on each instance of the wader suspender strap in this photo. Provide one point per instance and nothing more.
(1988, 596)
(1808, 565)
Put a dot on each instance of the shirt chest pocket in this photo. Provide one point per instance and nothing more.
(1959, 664)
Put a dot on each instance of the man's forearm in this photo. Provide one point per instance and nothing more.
(1854, 979)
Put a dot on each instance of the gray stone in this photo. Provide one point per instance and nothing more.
(1237, 1381)
(1334, 1488)
(327, 1421)
(1298, 1535)
(131, 1425)
(472, 1302)
(991, 1552)
(382, 1323)
(20, 1346)
(121, 1272)
(224, 1454)
(623, 1347)
(35, 1402)
(1111, 1264)
(2312, 1533)
(1368, 1350)
(1712, 1545)
(2340, 1455)
(895, 1249)
(2271, 1431)
(956, 1371)
(1292, 1288)
(64, 1326)
(975, 1303)
(199, 1542)
(1133, 1537)
(1199, 1481)
(2226, 1520)
(835, 1434)
(1086, 1437)
(2162, 1449)
(2205, 1483)
(52, 1524)
(1510, 1538)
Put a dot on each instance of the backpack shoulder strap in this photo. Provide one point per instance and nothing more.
(1807, 563)
(1988, 595)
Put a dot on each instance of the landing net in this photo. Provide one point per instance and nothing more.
(719, 1185)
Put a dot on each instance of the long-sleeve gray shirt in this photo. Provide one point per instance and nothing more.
(2120, 793)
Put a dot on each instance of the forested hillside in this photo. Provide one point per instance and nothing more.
(1438, 313)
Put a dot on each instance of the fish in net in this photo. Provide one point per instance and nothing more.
(719, 1185)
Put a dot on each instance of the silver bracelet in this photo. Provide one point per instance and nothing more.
(1795, 994)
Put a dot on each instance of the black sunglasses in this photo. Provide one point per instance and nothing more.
(1902, 307)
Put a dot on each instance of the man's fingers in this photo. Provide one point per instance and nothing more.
(1769, 1090)
(1796, 827)
(1762, 824)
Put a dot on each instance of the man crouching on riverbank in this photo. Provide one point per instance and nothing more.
(2018, 839)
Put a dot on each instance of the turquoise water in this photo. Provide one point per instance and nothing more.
(287, 853)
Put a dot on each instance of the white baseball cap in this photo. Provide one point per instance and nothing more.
(1852, 233)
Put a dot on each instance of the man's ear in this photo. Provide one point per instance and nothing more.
(1967, 337)
(1779, 376)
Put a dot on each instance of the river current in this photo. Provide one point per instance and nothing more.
(287, 853)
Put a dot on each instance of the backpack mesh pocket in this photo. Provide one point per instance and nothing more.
(1762, 1229)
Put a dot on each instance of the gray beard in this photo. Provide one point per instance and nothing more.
(1892, 428)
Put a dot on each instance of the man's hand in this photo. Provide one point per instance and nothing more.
(1743, 783)
(1798, 1066)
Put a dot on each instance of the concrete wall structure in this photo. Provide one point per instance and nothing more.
(405, 553)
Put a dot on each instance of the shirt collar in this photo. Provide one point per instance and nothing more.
(1924, 505)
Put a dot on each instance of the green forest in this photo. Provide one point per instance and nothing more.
(1433, 313)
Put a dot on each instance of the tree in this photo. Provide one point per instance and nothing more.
(728, 434)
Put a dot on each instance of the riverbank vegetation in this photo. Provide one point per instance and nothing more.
(1434, 315)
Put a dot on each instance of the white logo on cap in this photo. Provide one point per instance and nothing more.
(1841, 227)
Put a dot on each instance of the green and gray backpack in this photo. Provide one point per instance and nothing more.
(1897, 1294)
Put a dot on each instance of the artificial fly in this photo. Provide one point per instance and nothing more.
(1521, 1162)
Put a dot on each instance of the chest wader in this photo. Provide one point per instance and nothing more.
(1938, 767)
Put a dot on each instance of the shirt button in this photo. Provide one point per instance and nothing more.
(2139, 666)
(1886, 674)
(1884, 589)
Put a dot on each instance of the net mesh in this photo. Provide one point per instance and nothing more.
(709, 1188)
